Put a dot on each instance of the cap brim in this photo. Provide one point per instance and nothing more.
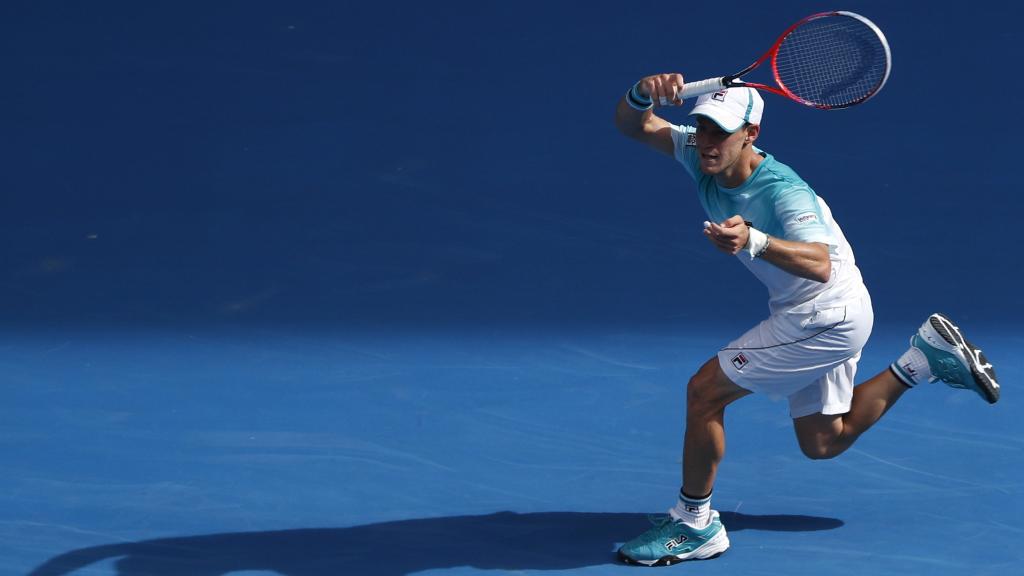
(725, 121)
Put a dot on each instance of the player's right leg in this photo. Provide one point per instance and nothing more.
(691, 530)
(939, 352)
(708, 392)
(670, 541)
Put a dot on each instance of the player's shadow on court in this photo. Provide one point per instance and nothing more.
(502, 541)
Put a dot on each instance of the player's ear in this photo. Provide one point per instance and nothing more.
(753, 130)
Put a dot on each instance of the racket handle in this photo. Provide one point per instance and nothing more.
(692, 89)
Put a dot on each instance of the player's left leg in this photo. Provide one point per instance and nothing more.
(829, 435)
(938, 352)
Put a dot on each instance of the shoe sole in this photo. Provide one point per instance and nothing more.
(711, 549)
(982, 371)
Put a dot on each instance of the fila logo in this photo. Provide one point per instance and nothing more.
(691, 139)
(910, 370)
(693, 509)
(740, 360)
(675, 543)
(720, 95)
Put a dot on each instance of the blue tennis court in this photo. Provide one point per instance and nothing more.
(322, 289)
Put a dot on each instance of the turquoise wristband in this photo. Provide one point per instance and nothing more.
(638, 101)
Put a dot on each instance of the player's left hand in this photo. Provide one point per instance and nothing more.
(730, 236)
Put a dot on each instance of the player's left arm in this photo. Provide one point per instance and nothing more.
(804, 259)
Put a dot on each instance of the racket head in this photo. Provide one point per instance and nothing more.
(831, 60)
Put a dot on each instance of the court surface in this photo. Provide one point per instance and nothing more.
(322, 289)
(312, 454)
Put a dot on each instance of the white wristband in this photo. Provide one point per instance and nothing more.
(757, 243)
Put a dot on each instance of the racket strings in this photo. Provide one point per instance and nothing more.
(832, 62)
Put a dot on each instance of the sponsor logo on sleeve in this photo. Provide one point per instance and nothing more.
(740, 360)
(806, 218)
(691, 139)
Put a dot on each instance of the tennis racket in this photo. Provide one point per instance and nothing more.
(828, 60)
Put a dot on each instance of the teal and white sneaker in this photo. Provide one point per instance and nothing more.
(951, 359)
(671, 541)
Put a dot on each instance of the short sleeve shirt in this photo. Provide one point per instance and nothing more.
(779, 203)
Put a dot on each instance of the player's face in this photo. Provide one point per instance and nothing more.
(719, 150)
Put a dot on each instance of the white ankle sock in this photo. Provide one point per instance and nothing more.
(695, 512)
(914, 364)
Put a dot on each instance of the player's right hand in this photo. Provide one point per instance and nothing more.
(663, 89)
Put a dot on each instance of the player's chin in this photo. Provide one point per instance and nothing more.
(710, 167)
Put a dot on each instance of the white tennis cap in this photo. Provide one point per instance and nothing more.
(730, 108)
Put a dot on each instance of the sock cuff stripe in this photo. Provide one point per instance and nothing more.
(895, 369)
(695, 501)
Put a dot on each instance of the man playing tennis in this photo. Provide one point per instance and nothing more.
(807, 350)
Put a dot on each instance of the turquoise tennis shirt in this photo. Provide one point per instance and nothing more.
(779, 203)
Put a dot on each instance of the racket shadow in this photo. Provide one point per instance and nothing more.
(501, 541)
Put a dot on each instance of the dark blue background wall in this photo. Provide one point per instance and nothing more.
(413, 163)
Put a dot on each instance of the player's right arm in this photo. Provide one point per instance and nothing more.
(644, 125)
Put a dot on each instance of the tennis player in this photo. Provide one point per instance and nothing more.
(763, 213)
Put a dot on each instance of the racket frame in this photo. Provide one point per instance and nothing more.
(692, 89)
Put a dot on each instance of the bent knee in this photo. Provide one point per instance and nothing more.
(701, 395)
(819, 451)
(820, 436)
(698, 390)
(708, 392)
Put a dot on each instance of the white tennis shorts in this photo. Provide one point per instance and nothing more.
(808, 354)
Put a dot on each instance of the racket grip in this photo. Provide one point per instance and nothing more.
(692, 89)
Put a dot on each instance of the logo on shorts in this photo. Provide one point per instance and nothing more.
(691, 139)
(739, 361)
(675, 543)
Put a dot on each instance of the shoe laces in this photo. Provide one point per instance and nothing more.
(660, 520)
(660, 524)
